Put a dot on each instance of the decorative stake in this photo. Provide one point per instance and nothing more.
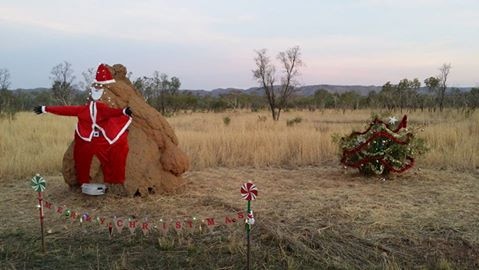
(110, 229)
(249, 193)
(39, 185)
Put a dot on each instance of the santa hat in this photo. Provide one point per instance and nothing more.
(103, 75)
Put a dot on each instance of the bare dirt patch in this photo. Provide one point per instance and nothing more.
(310, 217)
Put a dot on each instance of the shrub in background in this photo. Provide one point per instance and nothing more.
(226, 120)
(291, 122)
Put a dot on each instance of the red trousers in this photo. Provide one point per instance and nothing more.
(112, 158)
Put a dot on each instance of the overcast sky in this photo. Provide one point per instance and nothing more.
(211, 44)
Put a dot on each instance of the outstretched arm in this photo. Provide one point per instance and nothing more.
(59, 110)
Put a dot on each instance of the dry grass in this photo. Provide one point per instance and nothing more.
(248, 141)
(309, 218)
(32, 144)
(310, 213)
(37, 143)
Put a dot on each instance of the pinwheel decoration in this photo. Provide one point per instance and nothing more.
(38, 183)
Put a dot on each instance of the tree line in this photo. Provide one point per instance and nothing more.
(279, 94)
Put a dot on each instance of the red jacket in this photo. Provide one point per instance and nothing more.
(111, 122)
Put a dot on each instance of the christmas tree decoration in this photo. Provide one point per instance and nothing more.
(382, 148)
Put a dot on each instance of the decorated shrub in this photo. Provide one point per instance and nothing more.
(382, 148)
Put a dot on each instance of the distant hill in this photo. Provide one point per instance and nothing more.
(307, 90)
(360, 89)
(38, 89)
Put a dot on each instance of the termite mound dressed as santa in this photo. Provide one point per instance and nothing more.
(154, 162)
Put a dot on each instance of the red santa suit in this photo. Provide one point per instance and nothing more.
(101, 131)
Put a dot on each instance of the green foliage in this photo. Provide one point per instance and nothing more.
(468, 101)
(324, 99)
(8, 107)
(226, 120)
(401, 95)
(7, 99)
(63, 82)
(473, 98)
(160, 91)
(163, 93)
(291, 122)
(262, 118)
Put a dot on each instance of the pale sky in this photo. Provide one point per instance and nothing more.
(211, 44)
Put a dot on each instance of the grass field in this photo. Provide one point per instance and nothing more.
(32, 143)
(311, 213)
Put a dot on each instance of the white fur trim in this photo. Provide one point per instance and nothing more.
(88, 139)
(44, 109)
(104, 82)
(97, 93)
(125, 127)
(93, 113)
(112, 141)
(92, 109)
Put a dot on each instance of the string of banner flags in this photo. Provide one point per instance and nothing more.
(248, 193)
(146, 225)
(133, 224)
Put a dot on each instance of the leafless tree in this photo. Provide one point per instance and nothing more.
(264, 74)
(279, 95)
(406, 93)
(62, 82)
(443, 74)
(432, 83)
(88, 78)
(7, 99)
(232, 98)
(159, 91)
(4, 79)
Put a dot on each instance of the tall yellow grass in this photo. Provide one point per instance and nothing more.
(34, 143)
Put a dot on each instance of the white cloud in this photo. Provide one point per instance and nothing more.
(358, 47)
(138, 22)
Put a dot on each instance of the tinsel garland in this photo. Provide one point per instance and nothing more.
(380, 149)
